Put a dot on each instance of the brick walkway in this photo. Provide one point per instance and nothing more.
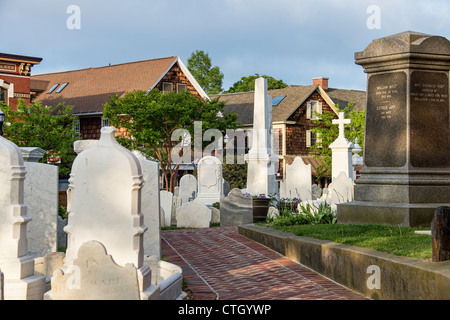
(219, 263)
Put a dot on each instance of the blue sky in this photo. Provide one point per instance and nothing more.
(292, 40)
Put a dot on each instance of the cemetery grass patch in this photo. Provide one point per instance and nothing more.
(400, 241)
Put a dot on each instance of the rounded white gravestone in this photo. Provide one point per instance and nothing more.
(104, 196)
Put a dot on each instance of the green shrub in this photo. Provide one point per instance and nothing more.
(235, 174)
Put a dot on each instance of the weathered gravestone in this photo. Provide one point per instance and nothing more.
(406, 172)
(166, 198)
(96, 276)
(340, 190)
(440, 234)
(236, 209)
(188, 188)
(193, 214)
(297, 182)
(17, 265)
(150, 205)
(41, 197)
(210, 181)
(104, 199)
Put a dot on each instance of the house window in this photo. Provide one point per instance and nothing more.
(105, 122)
(76, 126)
(312, 138)
(167, 87)
(313, 108)
(181, 87)
(4, 95)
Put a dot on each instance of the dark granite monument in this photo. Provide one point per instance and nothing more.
(406, 173)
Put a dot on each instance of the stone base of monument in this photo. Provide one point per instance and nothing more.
(401, 198)
(395, 214)
(20, 283)
(29, 288)
(166, 276)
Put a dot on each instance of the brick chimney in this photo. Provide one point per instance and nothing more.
(323, 82)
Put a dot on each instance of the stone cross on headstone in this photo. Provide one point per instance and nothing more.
(341, 122)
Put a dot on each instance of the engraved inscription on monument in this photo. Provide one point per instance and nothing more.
(386, 120)
(430, 133)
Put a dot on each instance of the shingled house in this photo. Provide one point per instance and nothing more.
(89, 89)
(293, 115)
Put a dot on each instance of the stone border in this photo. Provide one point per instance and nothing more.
(375, 274)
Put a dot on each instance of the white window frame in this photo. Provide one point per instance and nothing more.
(105, 122)
(164, 84)
(76, 125)
(9, 90)
(312, 107)
(181, 85)
(313, 138)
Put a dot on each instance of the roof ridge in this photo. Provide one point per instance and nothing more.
(109, 66)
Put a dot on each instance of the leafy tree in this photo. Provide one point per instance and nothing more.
(150, 119)
(46, 127)
(248, 84)
(210, 78)
(328, 133)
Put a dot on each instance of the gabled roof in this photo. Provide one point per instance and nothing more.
(88, 89)
(295, 95)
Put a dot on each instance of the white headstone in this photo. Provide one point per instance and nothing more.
(150, 206)
(188, 188)
(96, 276)
(210, 181)
(166, 199)
(17, 265)
(176, 202)
(41, 198)
(298, 179)
(340, 190)
(262, 162)
(341, 150)
(193, 215)
(104, 199)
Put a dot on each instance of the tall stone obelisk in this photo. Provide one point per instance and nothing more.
(262, 162)
(406, 173)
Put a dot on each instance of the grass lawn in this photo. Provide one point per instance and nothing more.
(394, 240)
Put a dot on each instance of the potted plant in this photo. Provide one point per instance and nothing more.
(261, 205)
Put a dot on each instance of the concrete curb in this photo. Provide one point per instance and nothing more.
(375, 274)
